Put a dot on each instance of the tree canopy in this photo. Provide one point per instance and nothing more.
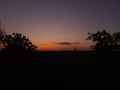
(104, 40)
(16, 41)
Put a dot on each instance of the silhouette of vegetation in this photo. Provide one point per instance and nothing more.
(2, 35)
(16, 41)
(21, 67)
(105, 41)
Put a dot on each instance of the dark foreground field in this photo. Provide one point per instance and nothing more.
(60, 71)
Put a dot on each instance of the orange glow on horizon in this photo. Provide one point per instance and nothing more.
(55, 47)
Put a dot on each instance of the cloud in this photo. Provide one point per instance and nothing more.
(66, 43)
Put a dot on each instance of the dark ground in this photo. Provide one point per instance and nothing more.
(85, 70)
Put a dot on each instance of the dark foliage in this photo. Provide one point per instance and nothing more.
(16, 41)
(2, 34)
(104, 41)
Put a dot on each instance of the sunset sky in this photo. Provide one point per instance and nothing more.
(60, 24)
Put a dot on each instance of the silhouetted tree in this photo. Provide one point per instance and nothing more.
(105, 41)
(16, 41)
(116, 38)
(2, 35)
(17, 51)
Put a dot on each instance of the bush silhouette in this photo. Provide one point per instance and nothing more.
(105, 41)
(16, 41)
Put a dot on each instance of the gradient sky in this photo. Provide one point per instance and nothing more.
(60, 24)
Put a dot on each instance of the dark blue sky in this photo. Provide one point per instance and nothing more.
(46, 21)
